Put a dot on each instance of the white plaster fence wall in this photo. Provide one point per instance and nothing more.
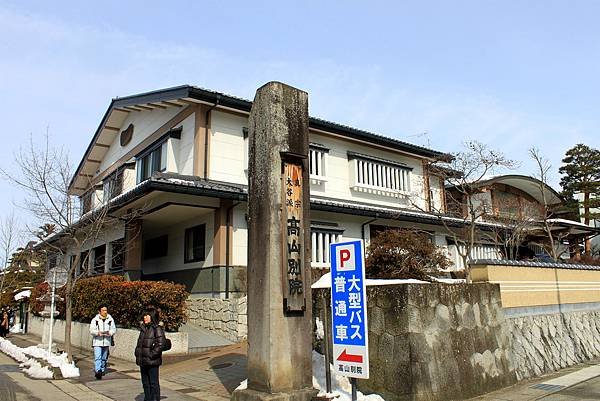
(225, 317)
(125, 339)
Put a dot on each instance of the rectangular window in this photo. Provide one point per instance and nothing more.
(99, 259)
(379, 176)
(195, 243)
(156, 247)
(318, 164)
(112, 185)
(85, 202)
(155, 159)
(321, 236)
(117, 249)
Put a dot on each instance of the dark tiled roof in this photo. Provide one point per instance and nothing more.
(526, 263)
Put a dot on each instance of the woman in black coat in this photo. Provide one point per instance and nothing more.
(148, 353)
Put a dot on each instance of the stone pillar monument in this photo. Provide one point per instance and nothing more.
(279, 293)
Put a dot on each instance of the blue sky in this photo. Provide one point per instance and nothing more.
(510, 74)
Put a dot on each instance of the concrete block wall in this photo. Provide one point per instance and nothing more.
(125, 339)
(436, 341)
(225, 317)
(545, 343)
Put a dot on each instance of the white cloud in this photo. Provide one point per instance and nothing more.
(64, 75)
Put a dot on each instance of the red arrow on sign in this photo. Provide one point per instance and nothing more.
(345, 357)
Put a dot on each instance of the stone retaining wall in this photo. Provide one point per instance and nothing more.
(435, 341)
(125, 339)
(545, 343)
(225, 317)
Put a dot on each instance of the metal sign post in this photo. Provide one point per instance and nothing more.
(349, 310)
(56, 278)
(53, 284)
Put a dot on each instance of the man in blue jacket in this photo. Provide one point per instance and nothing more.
(102, 328)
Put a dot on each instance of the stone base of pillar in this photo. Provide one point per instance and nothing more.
(306, 394)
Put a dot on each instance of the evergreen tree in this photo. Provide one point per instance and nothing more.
(580, 182)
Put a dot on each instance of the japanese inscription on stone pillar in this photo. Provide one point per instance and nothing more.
(293, 280)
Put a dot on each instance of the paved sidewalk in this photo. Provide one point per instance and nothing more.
(209, 376)
(580, 382)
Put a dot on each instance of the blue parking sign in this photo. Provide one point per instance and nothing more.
(349, 309)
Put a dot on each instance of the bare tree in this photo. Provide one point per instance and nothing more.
(518, 219)
(554, 239)
(10, 236)
(467, 203)
(44, 174)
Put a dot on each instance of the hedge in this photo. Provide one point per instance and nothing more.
(126, 300)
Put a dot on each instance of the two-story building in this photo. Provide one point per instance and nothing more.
(180, 156)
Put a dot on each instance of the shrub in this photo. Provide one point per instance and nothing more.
(41, 289)
(403, 253)
(125, 300)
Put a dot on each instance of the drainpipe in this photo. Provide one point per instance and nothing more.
(206, 135)
(228, 222)
(362, 228)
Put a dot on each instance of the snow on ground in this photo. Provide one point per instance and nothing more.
(340, 385)
(33, 368)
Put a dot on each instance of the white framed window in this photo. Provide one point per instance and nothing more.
(317, 163)
(375, 175)
(112, 185)
(321, 236)
(150, 161)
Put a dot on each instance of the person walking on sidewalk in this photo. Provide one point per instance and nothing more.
(4, 327)
(102, 329)
(148, 353)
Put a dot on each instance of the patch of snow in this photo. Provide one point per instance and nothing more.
(325, 281)
(243, 385)
(340, 385)
(450, 280)
(15, 329)
(34, 369)
(26, 355)
(23, 294)
(319, 331)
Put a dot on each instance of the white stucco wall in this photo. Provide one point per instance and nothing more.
(176, 242)
(227, 148)
(145, 123)
(185, 159)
